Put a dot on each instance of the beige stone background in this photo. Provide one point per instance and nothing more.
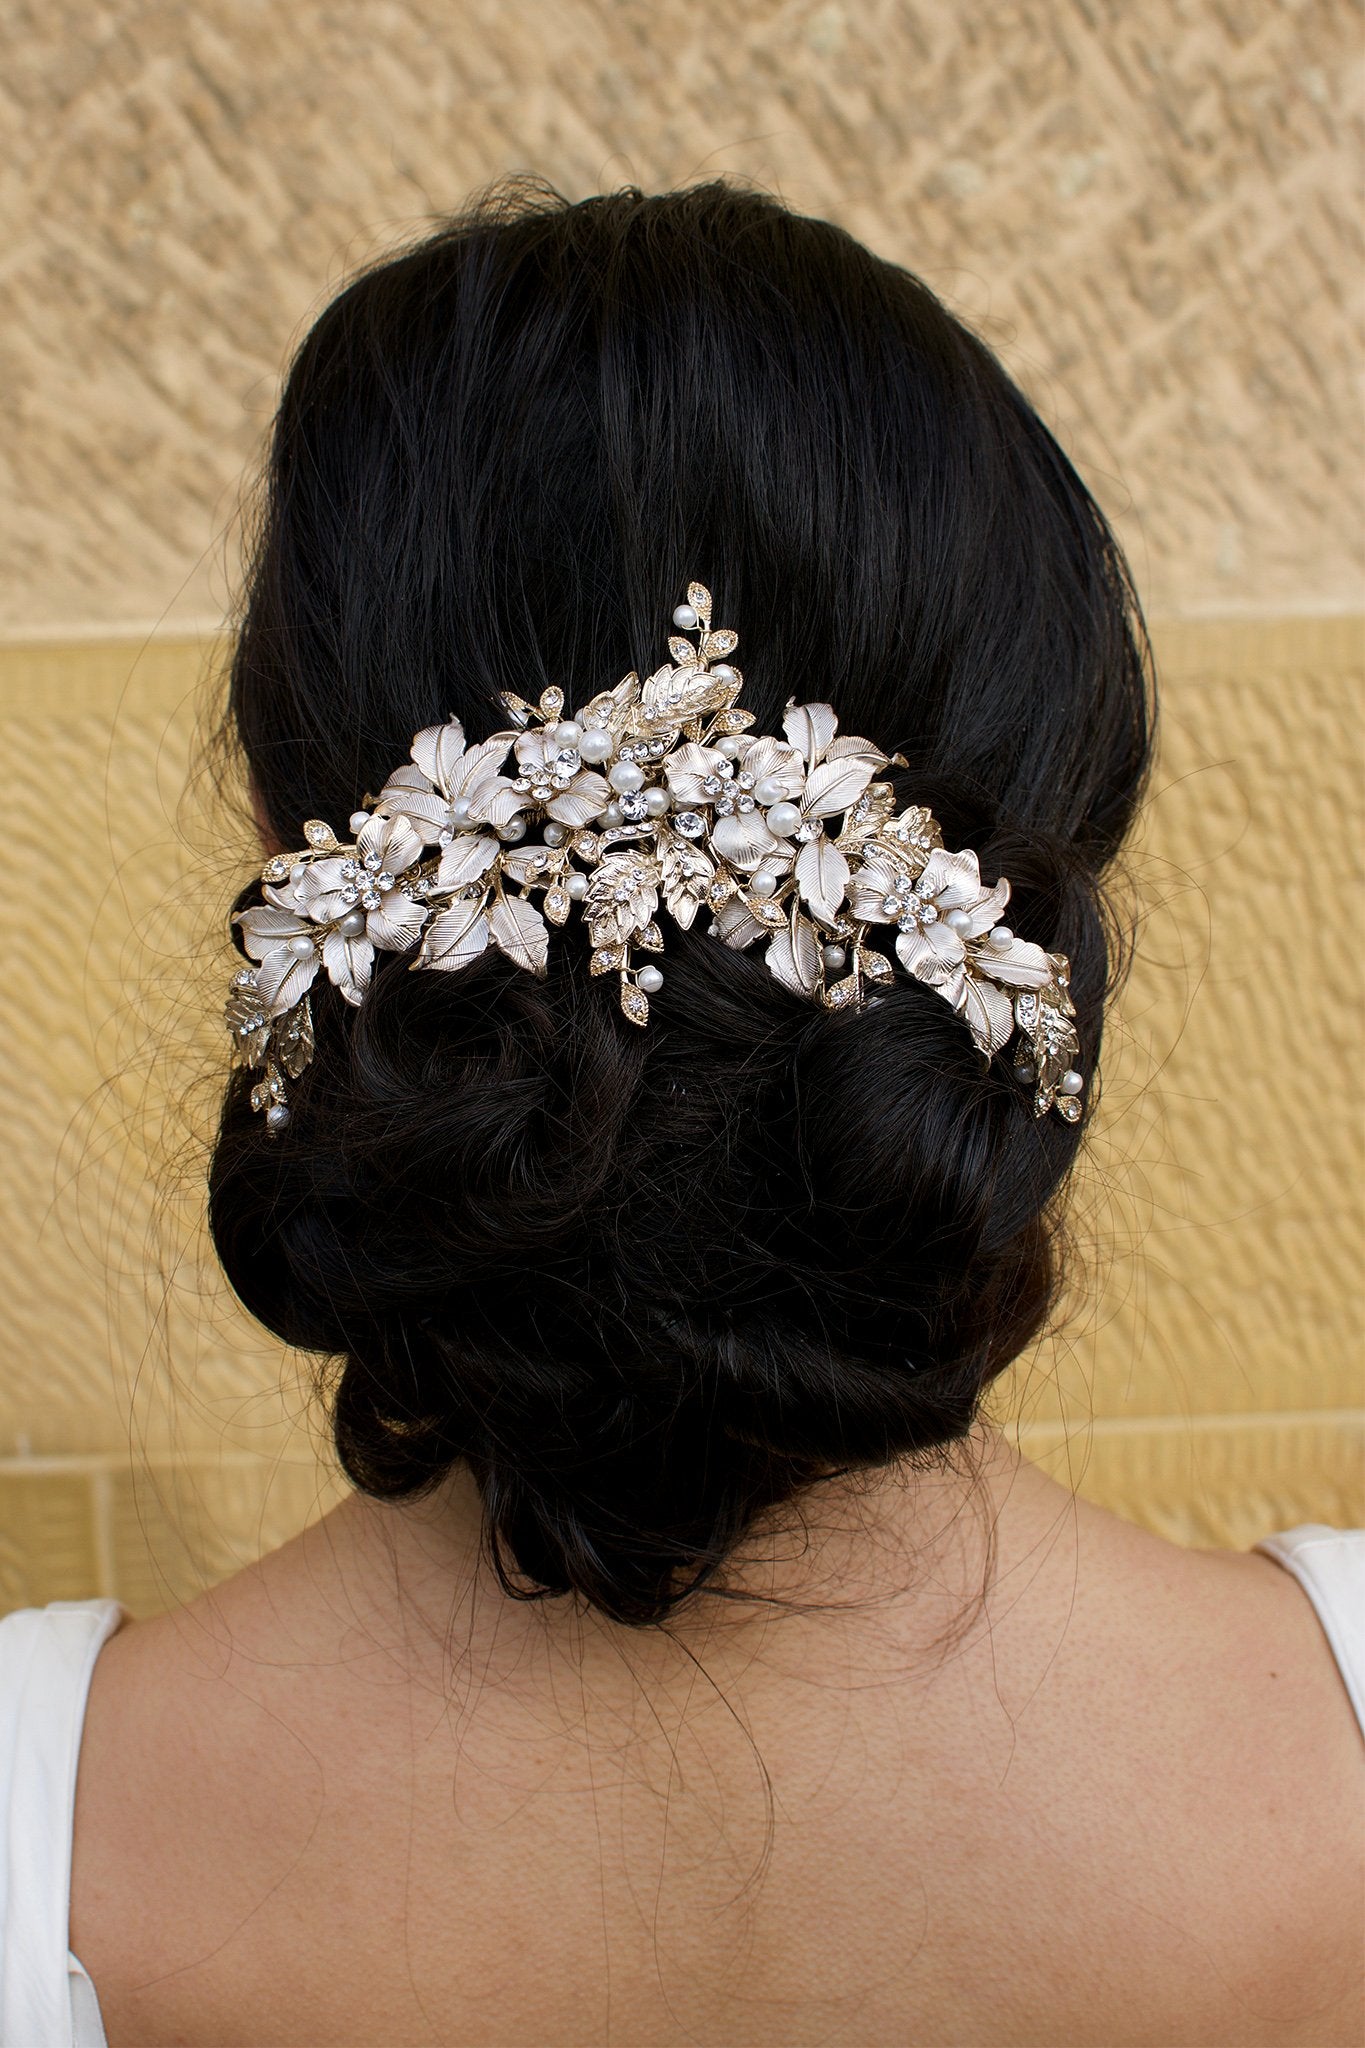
(1152, 213)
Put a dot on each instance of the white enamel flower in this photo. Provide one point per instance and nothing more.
(284, 945)
(557, 780)
(769, 800)
(948, 935)
(336, 914)
(447, 786)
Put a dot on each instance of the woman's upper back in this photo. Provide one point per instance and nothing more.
(1118, 1803)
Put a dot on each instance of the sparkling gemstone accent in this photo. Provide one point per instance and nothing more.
(633, 807)
(691, 824)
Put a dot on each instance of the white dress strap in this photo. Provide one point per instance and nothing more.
(1330, 1566)
(46, 1657)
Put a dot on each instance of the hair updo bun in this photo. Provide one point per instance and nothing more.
(651, 1283)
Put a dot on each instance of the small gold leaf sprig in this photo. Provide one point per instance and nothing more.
(655, 792)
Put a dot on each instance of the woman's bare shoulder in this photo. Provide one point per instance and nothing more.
(1130, 1769)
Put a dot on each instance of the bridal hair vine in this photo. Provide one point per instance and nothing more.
(654, 790)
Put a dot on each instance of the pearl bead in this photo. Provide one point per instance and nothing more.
(783, 819)
(651, 978)
(1001, 937)
(596, 744)
(1025, 1070)
(277, 1116)
(657, 802)
(1071, 1082)
(684, 617)
(723, 672)
(301, 947)
(577, 887)
(555, 835)
(958, 921)
(727, 744)
(461, 810)
(567, 733)
(834, 958)
(352, 925)
(762, 885)
(512, 831)
(612, 815)
(769, 789)
(627, 776)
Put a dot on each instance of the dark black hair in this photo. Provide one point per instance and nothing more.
(649, 1284)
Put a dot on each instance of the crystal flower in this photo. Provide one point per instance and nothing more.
(946, 921)
(556, 779)
(357, 900)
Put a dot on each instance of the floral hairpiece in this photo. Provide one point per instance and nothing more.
(656, 789)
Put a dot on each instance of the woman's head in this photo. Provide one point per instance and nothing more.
(650, 1284)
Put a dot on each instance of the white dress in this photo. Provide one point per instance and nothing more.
(48, 1653)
